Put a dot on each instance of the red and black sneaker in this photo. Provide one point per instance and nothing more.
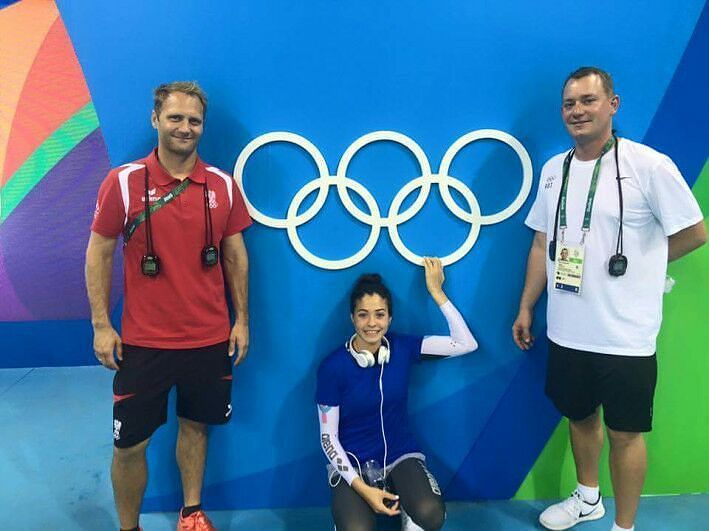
(197, 521)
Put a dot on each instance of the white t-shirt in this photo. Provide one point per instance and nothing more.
(614, 315)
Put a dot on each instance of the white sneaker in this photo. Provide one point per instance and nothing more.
(571, 511)
(407, 524)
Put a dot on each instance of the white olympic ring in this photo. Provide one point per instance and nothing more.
(394, 218)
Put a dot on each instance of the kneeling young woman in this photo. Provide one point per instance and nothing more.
(362, 392)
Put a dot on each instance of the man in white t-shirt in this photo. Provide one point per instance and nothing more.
(620, 211)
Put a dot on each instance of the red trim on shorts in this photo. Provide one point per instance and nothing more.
(229, 377)
(118, 398)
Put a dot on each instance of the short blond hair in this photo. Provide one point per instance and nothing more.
(191, 88)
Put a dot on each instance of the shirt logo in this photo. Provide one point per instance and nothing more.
(212, 199)
(152, 197)
(549, 182)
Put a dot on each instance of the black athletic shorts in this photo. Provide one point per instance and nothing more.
(141, 386)
(579, 381)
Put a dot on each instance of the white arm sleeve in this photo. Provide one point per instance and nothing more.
(329, 418)
(460, 341)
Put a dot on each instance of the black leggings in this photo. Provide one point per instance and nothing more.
(418, 492)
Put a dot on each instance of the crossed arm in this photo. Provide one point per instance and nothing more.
(686, 241)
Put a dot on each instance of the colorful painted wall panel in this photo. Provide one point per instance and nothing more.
(52, 155)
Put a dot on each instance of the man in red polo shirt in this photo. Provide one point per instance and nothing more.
(176, 215)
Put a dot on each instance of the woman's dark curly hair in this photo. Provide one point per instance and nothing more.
(369, 284)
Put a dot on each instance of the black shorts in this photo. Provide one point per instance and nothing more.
(141, 386)
(579, 381)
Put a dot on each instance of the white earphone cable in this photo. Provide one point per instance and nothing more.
(381, 417)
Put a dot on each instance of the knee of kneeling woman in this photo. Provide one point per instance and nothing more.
(356, 526)
(429, 514)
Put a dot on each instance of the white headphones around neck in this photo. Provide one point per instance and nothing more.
(364, 358)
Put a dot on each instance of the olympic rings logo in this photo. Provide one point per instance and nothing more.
(322, 184)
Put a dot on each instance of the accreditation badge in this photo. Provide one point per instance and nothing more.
(568, 267)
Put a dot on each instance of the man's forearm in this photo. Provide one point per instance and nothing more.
(236, 268)
(536, 277)
(98, 285)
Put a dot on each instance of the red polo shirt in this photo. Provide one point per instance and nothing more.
(185, 305)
